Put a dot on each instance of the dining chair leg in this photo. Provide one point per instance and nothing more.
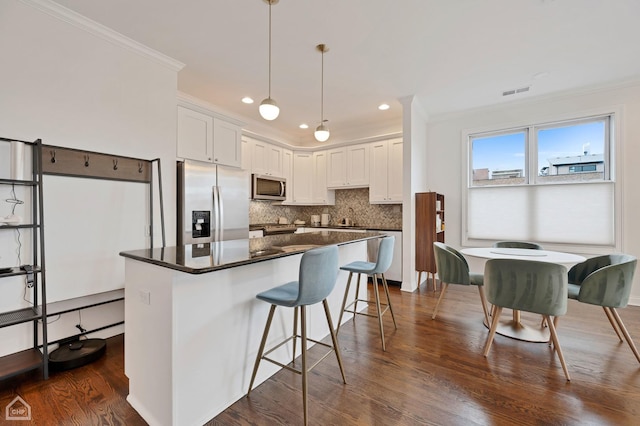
(483, 300)
(261, 349)
(612, 321)
(344, 302)
(334, 339)
(556, 320)
(442, 292)
(614, 312)
(303, 330)
(377, 296)
(556, 345)
(492, 331)
(295, 332)
(386, 290)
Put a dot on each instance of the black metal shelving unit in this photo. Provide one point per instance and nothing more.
(32, 358)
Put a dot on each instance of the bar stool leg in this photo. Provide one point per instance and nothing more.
(377, 295)
(344, 301)
(261, 349)
(303, 328)
(355, 303)
(386, 290)
(334, 339)
(295, 333)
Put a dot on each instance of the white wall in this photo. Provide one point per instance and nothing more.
(77, 88)
(446, 165)
(414, 180)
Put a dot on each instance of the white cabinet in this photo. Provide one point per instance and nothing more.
(287, 173)
(310, 179)
(385, 186)
(348, 167)
(266, 159)
(302, 177)
(321, 195)
(206, 138)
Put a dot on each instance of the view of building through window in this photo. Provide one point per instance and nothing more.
(564, 152)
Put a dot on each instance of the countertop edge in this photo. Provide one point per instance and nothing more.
(204, 270)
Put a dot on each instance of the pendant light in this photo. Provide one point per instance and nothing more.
(322, 132)
(268, 108)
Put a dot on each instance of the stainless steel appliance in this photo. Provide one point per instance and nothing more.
(268, 188)
(213, 203)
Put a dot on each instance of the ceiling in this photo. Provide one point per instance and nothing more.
(451, 54)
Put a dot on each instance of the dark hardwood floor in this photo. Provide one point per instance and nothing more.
(433, 372)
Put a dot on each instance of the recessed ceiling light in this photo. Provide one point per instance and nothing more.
(304, 126)
(383, 107)
(247, 100)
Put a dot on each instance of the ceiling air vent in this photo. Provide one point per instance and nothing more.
(515, 91)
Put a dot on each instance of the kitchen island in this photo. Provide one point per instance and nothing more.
(193, 325)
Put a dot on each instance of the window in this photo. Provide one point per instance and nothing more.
(557, 150)
(550, 183)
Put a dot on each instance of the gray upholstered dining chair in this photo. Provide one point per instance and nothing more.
(517, 244)
(453, 268)
(605, 281)
(317, 278)
(530, 286)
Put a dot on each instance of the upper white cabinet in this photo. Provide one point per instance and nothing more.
(266, 159)
(321, 194)
(302, 177)
(287, 173)
(310, 179)
(207, 138)
(348, 167)
(385, 186)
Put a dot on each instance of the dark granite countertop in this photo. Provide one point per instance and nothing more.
(209, 257)
(259, 226)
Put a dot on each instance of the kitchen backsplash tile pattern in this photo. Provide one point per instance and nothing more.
(350, 203)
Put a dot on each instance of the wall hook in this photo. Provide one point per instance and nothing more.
(53, 155)
(86, 161)
(115, 164)
(139, 166)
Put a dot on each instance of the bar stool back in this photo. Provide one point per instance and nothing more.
(316, 279)
(375, 270)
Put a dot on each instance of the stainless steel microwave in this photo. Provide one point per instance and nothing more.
(268, 188)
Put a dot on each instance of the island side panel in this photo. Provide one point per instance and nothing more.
(148, 344)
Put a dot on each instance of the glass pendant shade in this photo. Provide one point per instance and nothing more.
(322, 133)
(268, 109)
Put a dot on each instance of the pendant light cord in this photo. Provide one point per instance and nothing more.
(270, 49)
(322, 88)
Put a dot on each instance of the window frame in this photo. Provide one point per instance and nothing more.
(613, 152)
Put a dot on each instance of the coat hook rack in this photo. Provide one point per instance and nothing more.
(53, 155)
(139, 166)
(86, 161)
(115, 164)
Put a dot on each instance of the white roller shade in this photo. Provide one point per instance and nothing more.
(570, 213)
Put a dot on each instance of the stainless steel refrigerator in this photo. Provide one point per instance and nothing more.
(213, 203)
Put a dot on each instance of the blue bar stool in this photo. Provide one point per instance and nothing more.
(385, 256)
(317, 278)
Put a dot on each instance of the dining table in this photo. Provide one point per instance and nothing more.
(514, 327)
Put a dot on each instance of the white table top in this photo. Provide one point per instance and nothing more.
(524, 254)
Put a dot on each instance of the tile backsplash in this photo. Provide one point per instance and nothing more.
(350, 203)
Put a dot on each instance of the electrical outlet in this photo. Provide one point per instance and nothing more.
(144, 297)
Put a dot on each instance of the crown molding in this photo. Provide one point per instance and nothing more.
(69, 16)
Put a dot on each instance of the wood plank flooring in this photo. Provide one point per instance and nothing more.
(433, 373)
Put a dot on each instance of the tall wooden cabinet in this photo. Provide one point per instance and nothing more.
(429, 229)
